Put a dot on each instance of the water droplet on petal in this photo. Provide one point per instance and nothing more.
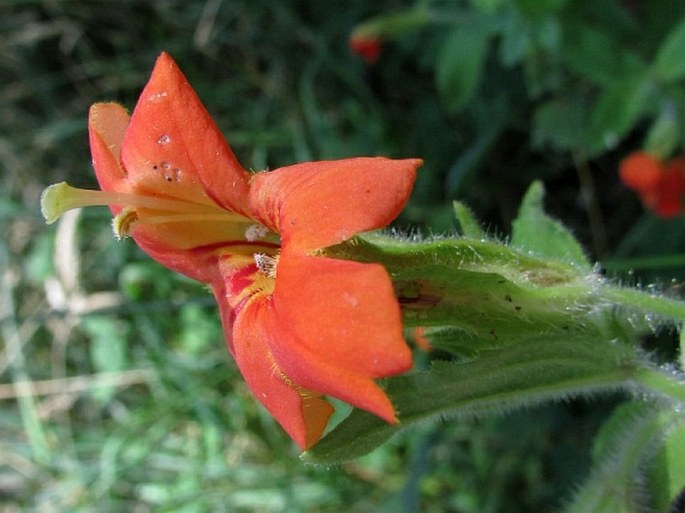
(157, 97)
(171, 175)
(165, 139)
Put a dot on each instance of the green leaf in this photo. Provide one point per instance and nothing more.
(107, 349)
(682, 349)
(539, 7)
(622, 449)
(598, 56)
(667, 471)
(515, 40)
(460, 62)
(488, 6)
(560, 123)
(145, 279)
(669, 65)
(39, 263)
(541, 368)
(664, 134)
(549, 34)
(199, 328)
(470, 227)
(471, 158)
(536, 232)
(617, 111)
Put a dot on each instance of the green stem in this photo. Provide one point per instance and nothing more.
(661, 382)
(645, 302)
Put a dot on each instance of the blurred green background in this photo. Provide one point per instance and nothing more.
(116, 390)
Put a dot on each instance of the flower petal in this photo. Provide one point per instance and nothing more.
(318, 204)
(234, 285)
(340, 327)
(173, 147)
(670, 192)
(312, 371)
(302, 414)
(107, 123)
(345, 310)
(640, 171)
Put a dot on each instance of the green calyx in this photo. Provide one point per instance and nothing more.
(512, 324)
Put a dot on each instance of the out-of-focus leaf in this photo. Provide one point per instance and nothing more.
(669, 65)
(667, 471)
(460, 62)
(39, 263)
(470, 160)
(536, 232)
(622, 451)
(538, 7)
(140, 280)
(515, 40)
(594, 54)
(488, 6)
(107, 349)
(664, 134)
(682, 349)
(560, 123)
(199, 328)
(549, 34)
(617, 111)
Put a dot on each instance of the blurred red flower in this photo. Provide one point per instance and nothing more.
(367, 47)
(660, 185)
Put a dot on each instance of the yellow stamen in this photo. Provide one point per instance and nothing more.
(123, 221)
(266, 264)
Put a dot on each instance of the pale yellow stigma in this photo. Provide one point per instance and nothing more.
(60, 197)
(147, 209)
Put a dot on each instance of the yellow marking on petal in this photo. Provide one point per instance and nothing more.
(261, 286)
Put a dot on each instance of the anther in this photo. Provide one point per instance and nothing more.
(266, 264)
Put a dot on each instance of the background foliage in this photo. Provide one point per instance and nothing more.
(116, 391)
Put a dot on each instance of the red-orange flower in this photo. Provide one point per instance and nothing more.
(660, 185)
(368, 47)
(300, 326)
